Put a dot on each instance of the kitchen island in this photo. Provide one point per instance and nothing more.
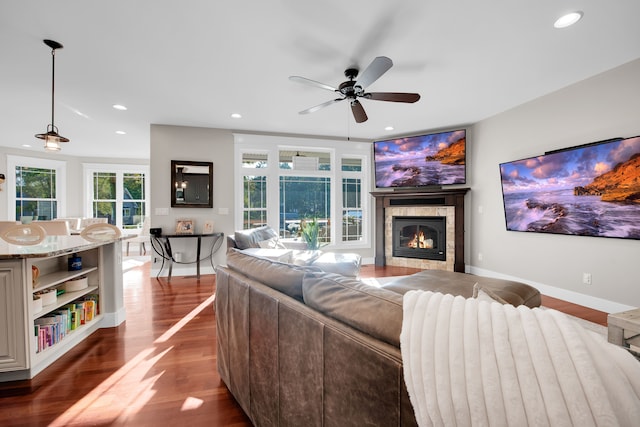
(49, 303)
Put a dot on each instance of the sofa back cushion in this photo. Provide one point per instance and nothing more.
(286, 278)
(374, 311)
(252, 237)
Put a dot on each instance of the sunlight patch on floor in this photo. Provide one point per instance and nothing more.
(175, 328)
(121, 396)
(191, 403)
(114, 398)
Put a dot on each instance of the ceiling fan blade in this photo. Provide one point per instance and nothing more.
(393, 96)
(358, 111)
(320, 106)
(377, 68)
(310, 82)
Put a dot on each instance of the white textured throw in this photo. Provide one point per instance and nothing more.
(478, 363)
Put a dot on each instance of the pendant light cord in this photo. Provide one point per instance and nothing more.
(53, 80)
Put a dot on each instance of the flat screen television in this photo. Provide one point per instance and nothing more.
(432, 159)
(589, 190)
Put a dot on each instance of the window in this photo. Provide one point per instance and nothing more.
(254, 211)
(351, 209)
(104, 196)
(118, 193)
(39, 188)
(134, 202)
(305, 198)
(351, 199)
(36, 193)
(254, 160)
(304, 179)
(304, 160)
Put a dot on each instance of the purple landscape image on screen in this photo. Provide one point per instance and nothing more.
(591, 190)
(422, 160)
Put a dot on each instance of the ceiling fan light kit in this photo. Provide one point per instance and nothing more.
(354, 88)
(52, 138)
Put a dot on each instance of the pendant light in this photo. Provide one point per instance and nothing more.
(51, 138)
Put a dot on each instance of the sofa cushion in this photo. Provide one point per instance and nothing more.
(251, 237)
(347, 264)
(454, 283)
(372, 310)
(286, 278)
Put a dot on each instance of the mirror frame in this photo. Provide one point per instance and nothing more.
(174, 166)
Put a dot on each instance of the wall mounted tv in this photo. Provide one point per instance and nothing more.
(589, 190)
(432, 159)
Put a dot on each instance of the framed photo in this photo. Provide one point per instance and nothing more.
(184, 226)
(208, 227)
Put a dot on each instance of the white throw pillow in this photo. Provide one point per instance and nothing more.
(273, 243)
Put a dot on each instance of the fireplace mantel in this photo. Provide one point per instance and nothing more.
(448, 197)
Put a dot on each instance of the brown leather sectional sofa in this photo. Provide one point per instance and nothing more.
(301, 347)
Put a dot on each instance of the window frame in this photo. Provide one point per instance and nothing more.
(60, 166)
(365, 222)
(120, 170)
(337, 150)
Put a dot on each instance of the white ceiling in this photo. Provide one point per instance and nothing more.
(195, 62)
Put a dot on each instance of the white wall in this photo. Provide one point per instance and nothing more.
(196, 144)
(602, 107)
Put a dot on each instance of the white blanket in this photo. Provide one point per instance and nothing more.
(469, 362)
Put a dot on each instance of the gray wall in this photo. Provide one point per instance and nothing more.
(598, 108)
(196, 144)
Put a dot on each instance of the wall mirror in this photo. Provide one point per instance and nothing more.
(191, 184)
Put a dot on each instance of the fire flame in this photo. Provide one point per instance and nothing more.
(419, 241)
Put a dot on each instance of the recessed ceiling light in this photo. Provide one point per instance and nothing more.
(119, 107)
(389, 128)
(26, 145)
(568, 19)
(121, 132)
(236, 116)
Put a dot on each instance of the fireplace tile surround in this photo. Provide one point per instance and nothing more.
(447, 203)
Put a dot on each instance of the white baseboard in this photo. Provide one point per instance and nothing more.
(114, 319)
(554, 292)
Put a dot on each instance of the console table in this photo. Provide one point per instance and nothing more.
(162, 246)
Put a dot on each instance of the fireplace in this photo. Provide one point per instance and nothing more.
(420, 237)
(448, 203)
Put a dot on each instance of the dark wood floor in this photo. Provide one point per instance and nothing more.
(158, 368)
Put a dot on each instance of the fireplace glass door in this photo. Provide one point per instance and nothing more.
(419, 237)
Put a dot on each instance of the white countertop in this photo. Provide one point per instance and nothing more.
(50, 246)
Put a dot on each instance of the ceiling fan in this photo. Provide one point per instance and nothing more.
(353, 89)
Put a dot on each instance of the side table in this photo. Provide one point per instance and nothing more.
(624, 328)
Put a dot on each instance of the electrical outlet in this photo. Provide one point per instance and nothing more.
(479, 256)
(586, 278)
